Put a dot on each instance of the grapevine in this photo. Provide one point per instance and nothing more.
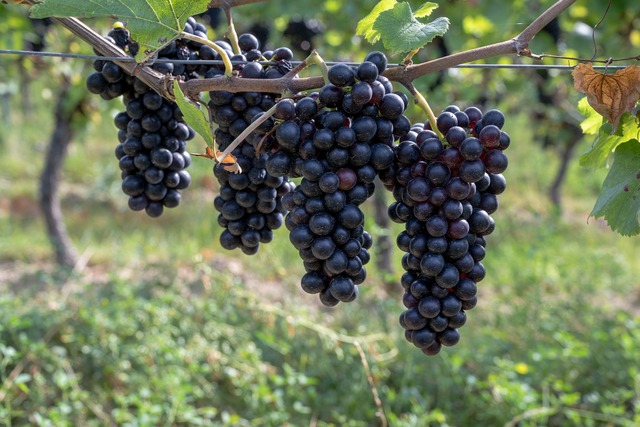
(335, 135)
(337, 140)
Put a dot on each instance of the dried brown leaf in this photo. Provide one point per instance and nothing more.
(229, 163)
(609, 94)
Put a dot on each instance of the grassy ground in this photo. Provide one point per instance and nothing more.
(159, 326)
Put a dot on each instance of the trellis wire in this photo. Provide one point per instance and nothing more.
(220, 62)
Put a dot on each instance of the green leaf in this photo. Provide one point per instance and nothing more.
(152, 23)
(619, 201)
(605, 142)
(593, 121)
(193, 115)
(365, 25)
(401, 32)
(425, 10)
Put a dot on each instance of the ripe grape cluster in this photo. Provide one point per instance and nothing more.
(337, 140)
(249, 203)
(152, 153)
(152, 133)
(444, 194)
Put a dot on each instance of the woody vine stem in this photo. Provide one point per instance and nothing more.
(404, 75)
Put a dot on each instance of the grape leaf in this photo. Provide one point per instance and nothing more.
(365, 25)
(593, 121)
(425, 10)
(619, 201)
(609, 94)
(402, 32)
(152, 23)
(606, 141)
(193, 116)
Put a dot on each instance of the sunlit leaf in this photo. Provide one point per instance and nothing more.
(606, 141)
(593, 121)
(401, 32)
(152, 23)
(365, 26)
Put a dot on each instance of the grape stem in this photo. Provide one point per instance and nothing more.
(295, 71)
(301, 66)
(422, 103)
(231, 33)
(315, 58)
(408, 59)
(228, 66)
(245, 133)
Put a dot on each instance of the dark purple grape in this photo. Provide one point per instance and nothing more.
(431, 264)
(474, 114)
(472, 170)
(331, 95)
(341, 75)
(367, 71)
(342, 288)
(493, 117)
(495, 161)
(391, 106)
(361, 93)
(430, 148)
(489, 136)
(455, 135)
(347, 177)
(445, 121)
(379, 59)
(248, 42)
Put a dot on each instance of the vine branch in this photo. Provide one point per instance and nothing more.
(518, 45)
(162, 84)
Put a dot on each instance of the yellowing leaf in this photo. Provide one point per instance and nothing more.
(592, 122)
(365, 26)
(611, 95)
(425, 10)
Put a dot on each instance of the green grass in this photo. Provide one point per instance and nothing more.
(163, 327)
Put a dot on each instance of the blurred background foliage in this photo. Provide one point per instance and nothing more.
(157, 325)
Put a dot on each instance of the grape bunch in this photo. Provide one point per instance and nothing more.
(152, 153)
(249, 202)
(337, 140)
(445, 193)
(152, 133)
